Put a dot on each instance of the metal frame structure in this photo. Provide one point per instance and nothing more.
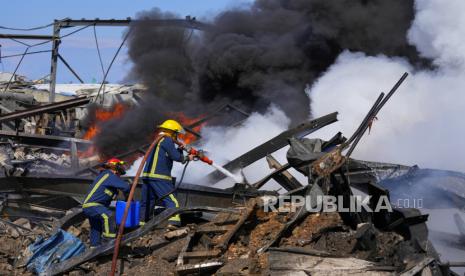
(41, 109)
(273, 145)
(58, 25)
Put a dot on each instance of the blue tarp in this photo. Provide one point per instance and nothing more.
(59, 247)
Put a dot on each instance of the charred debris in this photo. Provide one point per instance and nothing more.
(48, 160)
(47, 163)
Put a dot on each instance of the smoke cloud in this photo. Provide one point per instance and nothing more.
(422, 123)
(223, 144)
(255, 57)
(348, 52)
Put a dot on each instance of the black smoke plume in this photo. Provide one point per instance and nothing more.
(254, 57)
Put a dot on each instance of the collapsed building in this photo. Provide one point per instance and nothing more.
(48, 160)
(225, 231)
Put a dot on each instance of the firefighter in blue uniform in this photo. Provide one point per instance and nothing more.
(156, 176)
(99, 197)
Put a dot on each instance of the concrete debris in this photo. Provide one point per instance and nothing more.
(14, 242)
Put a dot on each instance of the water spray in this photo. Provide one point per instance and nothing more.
(200, 155)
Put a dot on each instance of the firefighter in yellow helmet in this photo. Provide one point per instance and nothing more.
(157, 172)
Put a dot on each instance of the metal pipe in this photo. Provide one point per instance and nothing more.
(128, 204)
(70, 68)
(393, 89)
(367, 118)
(378, 108)
(28, 37)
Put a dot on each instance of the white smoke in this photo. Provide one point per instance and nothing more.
(226, 143)
(438, 31)
(223, 144)
(422, 123)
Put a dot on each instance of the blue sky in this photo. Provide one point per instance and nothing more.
(79, 49)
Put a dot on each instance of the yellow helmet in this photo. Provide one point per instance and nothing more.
(172, 125)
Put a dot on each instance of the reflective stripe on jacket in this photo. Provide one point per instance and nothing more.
(105, 186)
(160, 161)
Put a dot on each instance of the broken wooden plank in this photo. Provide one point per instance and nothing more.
(223, 242)
(213, 229)
(206, 241)
(285, 179)
(202, 254)
(305, 251)
(314, 192)
(106, 248)
(200, 269)
(179, 233)
(225, 218)
(261, 182)
(184, 249)
(284, 263)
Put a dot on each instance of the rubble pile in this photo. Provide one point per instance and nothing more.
(230, 243)
(19, 160)
(46, 173)
(15, 237)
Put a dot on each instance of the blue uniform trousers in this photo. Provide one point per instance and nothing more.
(101, 222)
(153, 189)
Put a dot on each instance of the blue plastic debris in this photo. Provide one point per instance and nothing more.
(59, 247)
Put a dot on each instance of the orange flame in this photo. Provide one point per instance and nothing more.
(101, 115)
(186, 121)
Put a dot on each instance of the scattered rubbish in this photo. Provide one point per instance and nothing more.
(48, 159)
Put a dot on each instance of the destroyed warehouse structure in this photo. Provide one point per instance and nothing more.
(44, 177)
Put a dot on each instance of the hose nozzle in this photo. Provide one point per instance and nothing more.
(199, 154)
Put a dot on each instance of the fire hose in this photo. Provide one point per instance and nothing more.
(199, 154)
(119, 235)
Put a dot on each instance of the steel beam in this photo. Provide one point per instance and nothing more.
(54, 62)
(21, 36)
(70, 68)
(46, 140)
(47, 108)
(273, 145)
(183, 23)
(76, 187)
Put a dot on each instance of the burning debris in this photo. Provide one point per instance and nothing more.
(242, 63)
(230, 232)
